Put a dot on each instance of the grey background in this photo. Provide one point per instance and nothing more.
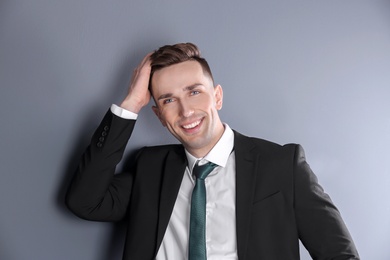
(309, 72)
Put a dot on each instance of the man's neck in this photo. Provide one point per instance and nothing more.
(202, 152)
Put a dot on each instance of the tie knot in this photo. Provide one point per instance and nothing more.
(202, 171)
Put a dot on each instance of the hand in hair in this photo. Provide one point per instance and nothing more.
(138, 95)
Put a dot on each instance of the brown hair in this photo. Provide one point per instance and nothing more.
(172, 54)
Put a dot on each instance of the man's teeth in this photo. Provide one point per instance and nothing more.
(191, 125)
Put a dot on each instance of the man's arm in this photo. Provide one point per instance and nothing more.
(320, 226)
(96, 193)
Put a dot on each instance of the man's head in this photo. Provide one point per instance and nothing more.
(187, 102)
(173, 54)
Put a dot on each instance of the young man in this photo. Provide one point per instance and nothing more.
(259, 198)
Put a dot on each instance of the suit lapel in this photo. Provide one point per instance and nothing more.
(171, 181)
(246, 168)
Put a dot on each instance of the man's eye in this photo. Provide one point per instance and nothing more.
(195, 92)
(168, 100)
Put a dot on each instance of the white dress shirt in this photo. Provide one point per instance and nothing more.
(221, 242)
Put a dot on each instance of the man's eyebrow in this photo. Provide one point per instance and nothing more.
(167, 95)
(188, 88)
(192, 87)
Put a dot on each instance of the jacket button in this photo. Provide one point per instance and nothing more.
(99, 144)
(106, 128)
(101, 139)
(104, 133)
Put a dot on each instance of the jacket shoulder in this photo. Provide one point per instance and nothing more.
(161, 152)
(263, 145)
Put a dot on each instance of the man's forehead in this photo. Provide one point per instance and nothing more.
(190, 66)
(180, 75)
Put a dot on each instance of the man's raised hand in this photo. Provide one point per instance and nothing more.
(138, 95)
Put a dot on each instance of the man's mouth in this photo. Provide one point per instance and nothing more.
(192, 125)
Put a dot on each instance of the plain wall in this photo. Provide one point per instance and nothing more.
(310, 72)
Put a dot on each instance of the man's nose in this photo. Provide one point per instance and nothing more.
(186, 109)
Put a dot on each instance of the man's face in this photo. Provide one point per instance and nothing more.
(187, 104)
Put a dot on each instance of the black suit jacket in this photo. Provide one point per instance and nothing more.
(278, 198)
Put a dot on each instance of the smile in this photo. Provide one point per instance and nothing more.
(192, 125)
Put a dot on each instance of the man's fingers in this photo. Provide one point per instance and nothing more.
(138, 94)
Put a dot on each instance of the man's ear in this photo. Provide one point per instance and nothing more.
(156, 111)
(218, 94)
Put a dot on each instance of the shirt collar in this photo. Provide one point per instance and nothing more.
(220, 152)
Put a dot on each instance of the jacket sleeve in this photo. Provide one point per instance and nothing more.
(96, 192)
(320, 226)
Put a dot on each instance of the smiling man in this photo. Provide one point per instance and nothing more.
(217, 195)
(187, 104)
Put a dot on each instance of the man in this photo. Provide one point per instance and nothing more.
(261, 198)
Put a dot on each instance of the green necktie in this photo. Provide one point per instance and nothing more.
(197, 241)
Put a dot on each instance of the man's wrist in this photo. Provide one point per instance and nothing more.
(123, 113)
